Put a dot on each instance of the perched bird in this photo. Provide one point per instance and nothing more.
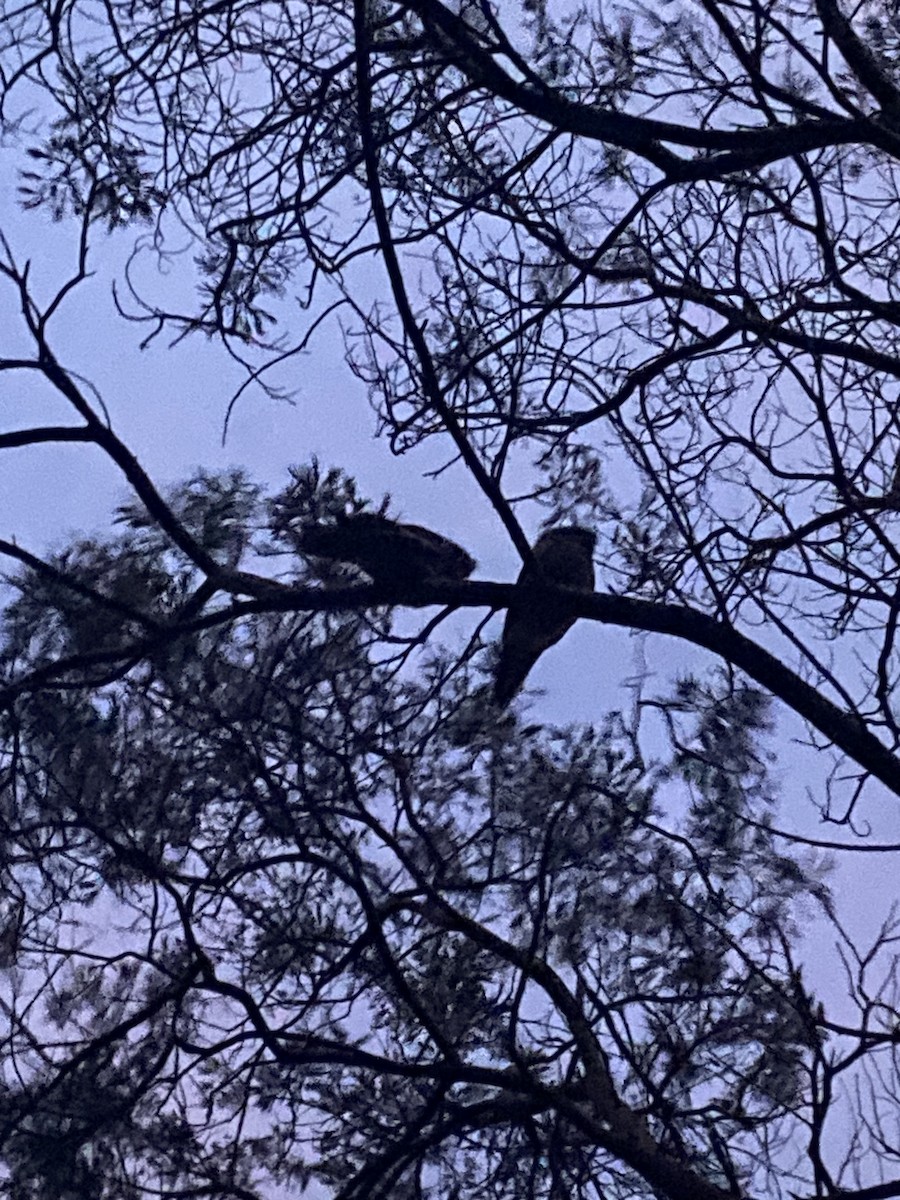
(534, 623)
(388, 551)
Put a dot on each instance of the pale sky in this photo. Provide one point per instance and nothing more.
(169, 405)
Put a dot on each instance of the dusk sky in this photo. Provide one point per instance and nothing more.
(169, 403)
(172, 402)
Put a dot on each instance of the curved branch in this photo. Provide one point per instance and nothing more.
(48, 433)
(430, 382)
(845, 730)
(727, 150)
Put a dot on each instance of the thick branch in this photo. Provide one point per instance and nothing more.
(728, 150)
(431, 384)
(845, 730)
(857, 55)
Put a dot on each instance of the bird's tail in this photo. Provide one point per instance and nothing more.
(509, 678)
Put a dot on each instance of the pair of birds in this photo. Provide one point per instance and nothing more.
(409, 555)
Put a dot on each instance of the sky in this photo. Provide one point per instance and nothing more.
(169, 404)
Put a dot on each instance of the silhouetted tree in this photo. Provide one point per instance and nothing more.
(268, 921)
(283, 896)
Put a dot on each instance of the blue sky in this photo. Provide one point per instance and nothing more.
(169, 403)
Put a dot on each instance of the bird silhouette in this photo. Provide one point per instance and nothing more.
(388, 551)
(535, 622)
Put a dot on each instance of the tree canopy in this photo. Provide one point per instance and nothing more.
(288, 906)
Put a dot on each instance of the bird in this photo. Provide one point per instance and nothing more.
(389, 551)
(563, 556)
